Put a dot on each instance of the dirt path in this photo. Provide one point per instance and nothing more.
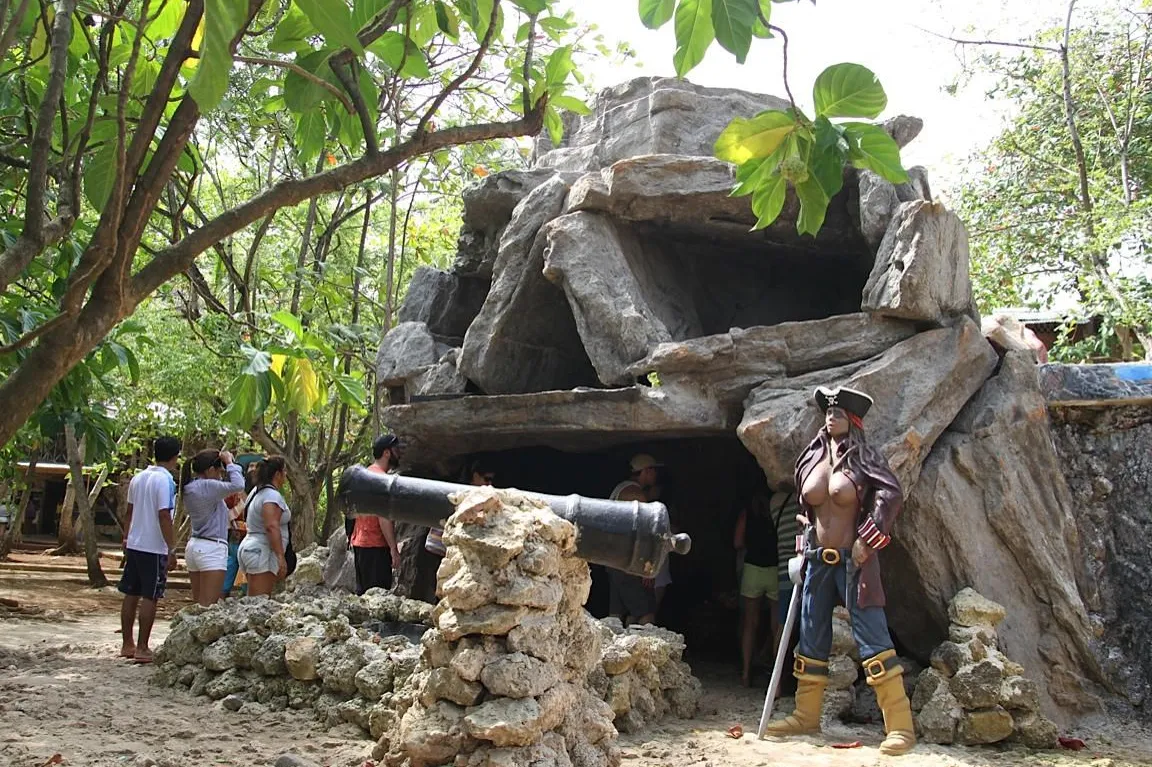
(63, 691)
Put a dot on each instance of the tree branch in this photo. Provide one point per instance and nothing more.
(345, 74)
(175, 259)
(467, 73)
(999, 43)
(299, 70)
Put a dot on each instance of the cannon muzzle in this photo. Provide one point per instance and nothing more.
(626, 535)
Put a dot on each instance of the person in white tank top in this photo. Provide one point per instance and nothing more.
(630, 597)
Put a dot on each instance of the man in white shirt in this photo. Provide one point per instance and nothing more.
(150, 546)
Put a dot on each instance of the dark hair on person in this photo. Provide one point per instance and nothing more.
(382, 443)
(250, 477)
(481, 466)
(269, 468)
(200, 463)
(164, 449)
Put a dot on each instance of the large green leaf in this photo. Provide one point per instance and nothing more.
(825, 179)
(334, 21)
(302, 94)
(401, 55)
(100, 175)
(222, 21)
(732, 21)
(351, 391)
(848, 90)
(310, 134)
(248, 398)
(694, 34)
(531, 6)
(165, 20)
(570, 104)
(363, 11)
(292, 32)
(870, 146)
(759, 29)
(558, 67)
(768, 200)
(289, 321)
(749, 138)
(656, 13)
(447, 21)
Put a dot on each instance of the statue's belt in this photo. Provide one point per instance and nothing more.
(830, 557)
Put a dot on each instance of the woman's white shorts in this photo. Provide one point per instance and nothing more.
(203, 554)
(256, 556)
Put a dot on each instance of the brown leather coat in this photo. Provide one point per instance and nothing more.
(877, 490)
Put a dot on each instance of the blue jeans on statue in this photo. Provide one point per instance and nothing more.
(233, 570)
(825, 587)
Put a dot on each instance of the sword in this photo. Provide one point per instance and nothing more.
(795, 568)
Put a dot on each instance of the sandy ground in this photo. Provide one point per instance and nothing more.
(63, 691)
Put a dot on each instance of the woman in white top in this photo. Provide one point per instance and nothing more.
(204, 492)
(262, 552)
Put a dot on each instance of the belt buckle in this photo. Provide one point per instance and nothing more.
(798, 665)
(830, 556)
(874, 669)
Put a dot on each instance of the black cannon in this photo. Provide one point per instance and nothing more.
(627, 535)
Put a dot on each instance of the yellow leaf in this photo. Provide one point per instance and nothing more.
(197, 39)
(479, 171)
(301, 386)
(278, 361)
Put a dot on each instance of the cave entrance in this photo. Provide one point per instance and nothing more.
(707, 282)
(705, 483)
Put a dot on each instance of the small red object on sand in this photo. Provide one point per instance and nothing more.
(736, 732)
(1072, 744)
(56, 759)
(853, 744)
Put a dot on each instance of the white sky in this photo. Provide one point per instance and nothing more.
(885, 35)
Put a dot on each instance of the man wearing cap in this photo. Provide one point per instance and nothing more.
(374, 538)
(629, 598)
(850, 500)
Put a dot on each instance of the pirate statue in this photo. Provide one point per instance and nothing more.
(850, 499)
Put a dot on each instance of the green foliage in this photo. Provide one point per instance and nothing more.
(222, 21)
(1037, 240)
(778, 146)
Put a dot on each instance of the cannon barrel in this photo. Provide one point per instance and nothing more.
(627, 535)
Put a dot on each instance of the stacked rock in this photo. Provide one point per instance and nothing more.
(296, 651)
(642, 675)
(502, 679)
(974, 694)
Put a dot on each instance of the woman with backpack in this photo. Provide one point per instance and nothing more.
(266, 552)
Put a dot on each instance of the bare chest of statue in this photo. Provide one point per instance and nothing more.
(832, 496)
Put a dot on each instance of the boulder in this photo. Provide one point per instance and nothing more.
(729, 365)
(968, 608)
(977, 685)
(1034, 730)
(489, 202)
(615, 315)
(375, 679)
(445, 302)
(916, 187)
(446, 684)
(666, 188)
(404, 350)
(495, 620)
(647, 116)
(300, 656)
(434, 735)
(1018, 693)
(1008, 334)
(504, 351)
(903, 129)
(989, 725)
(991, 511)
(921, 270)
(442, 378)
(338, 664)
(583, 419)
(878, 203)
(939, 717)
(518, 676)
(340, 567)
(919, 385)
(505, 721)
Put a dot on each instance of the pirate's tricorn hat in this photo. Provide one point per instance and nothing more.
(855, 402)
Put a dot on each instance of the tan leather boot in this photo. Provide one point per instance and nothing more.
(887, 679)
(812, 676)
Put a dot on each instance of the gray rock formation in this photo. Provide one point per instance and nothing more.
(920, 384)
(629, 303)
(990, 489)
(1094, 385)
(921, 270)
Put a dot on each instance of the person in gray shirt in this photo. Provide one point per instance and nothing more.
(209, 478)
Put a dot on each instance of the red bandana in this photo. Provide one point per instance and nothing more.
(855, 420)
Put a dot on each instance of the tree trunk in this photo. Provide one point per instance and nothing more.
(66, 543)
(96, 577)
(16, 517)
